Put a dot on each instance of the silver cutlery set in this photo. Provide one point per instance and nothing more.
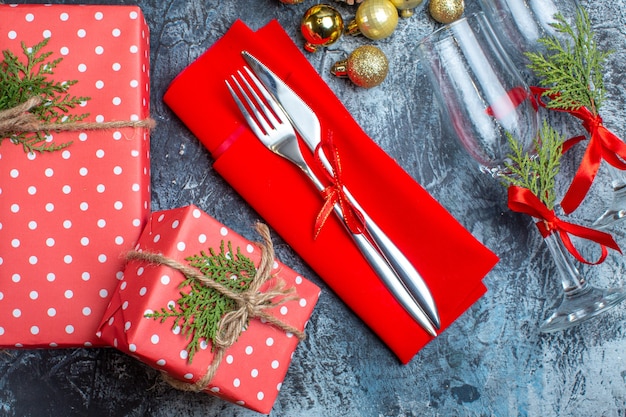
(275, 118)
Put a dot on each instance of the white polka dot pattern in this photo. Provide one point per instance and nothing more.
(65, 217)
(255, 365)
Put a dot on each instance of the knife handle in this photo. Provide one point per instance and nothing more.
(391, 281)
(405, 270)
(381, 266)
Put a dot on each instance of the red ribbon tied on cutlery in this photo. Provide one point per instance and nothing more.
(522, 200)
(603, 144)
(334, 194)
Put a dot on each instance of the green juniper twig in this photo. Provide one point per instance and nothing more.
(537, 172)
(198, 311)
(571, 71)
(22, 80)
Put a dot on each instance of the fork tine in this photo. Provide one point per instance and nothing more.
(262, 113)
(242, 108)
(278, 110)
(255, 108)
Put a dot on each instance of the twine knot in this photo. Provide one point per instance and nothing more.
(19, 118)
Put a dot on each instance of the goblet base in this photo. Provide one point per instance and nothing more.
(616, 211)
(581, 306)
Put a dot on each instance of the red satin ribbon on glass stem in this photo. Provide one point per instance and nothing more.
(334, 193)
(603, 144)
(522, 200)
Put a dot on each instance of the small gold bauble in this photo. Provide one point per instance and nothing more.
(321, 25)
(406, 6)
(367, 66)
(375, 19)
(446, 11)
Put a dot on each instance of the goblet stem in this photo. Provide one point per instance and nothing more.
(581, 301)
(616, 212)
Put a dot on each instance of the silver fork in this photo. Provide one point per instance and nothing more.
(275, 131)
(308, 126)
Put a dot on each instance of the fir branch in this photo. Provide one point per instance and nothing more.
(21, 80)
(198, 311)
(572, 71)
(537, 172)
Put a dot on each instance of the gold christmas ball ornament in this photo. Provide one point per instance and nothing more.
(406, 7)
(446, 11)
(321, 25)
(367, 66)
(375, 19)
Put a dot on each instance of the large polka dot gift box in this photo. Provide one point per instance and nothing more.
(67, 216)
(252, 369)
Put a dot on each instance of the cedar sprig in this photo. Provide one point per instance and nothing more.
(537, 171)
(572, 71)
(198, 311)
(22, 79)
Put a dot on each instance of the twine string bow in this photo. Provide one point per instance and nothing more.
(251, 303)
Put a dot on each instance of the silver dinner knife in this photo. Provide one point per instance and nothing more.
(308, 126)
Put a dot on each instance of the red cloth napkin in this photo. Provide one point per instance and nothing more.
(450, 259)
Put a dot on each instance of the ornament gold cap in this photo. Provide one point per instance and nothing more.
(340, 68)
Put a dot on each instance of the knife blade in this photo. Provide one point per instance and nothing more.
(308, 126)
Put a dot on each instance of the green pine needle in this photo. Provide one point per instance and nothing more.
(573, 73)
(537, 172)
(21, 80)
(198, 311)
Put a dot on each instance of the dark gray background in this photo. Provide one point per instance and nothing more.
(491, 362)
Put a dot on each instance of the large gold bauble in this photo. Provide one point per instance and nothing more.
(367, 66)
(406, 6)
(321, 25)
(446, 11)
(375, 19)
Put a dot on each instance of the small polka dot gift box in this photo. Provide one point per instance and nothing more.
(67, 216)
(247, 370)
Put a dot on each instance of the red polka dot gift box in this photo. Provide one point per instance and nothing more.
(248, 359)
(67, 216)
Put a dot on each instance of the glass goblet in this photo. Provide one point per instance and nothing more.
(480, 91)
(520, 24)
(485, 99)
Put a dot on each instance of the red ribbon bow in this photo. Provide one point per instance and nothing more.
(334, 194)
(603, 144)
(522, 200)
